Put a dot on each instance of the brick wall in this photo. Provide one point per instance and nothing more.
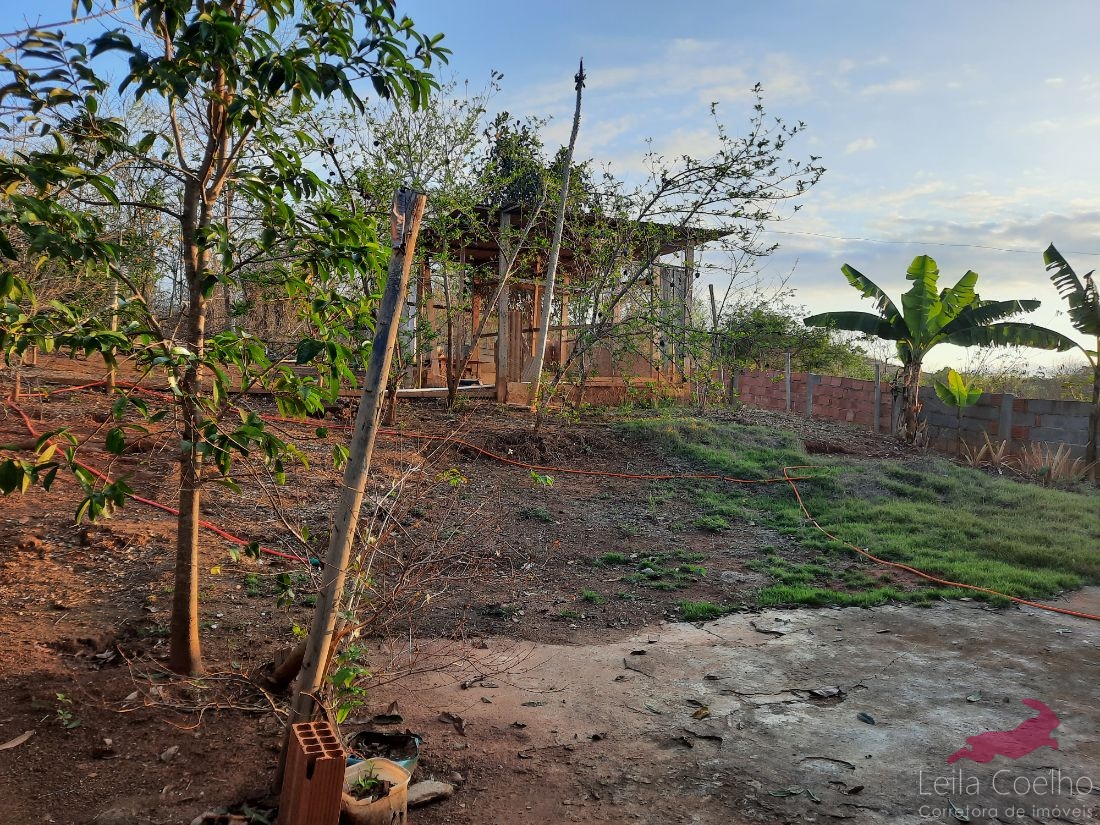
(1002, 416)
(836, 399)
(1020, 421)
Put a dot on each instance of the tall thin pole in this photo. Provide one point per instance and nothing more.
(534, 372)
(717, 341)
(408, 209)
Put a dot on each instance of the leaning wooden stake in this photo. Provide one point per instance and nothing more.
(408, 209)
(534, 369)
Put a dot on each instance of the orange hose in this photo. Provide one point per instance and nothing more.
(898, 566)
(786, 478)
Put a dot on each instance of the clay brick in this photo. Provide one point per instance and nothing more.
(314, 777)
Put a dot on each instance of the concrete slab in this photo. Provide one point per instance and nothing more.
(797, 716)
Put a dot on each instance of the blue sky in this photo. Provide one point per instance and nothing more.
(953, 129)
(945, 126)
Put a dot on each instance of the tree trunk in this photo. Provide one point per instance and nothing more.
(910, 426)
(185, 653)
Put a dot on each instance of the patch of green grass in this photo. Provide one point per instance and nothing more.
(536, 514)
(609, 559)
(788, 573)
(953, 522)
(700, 611)
(712, 522)
(785, 595)
(593, 597)
(253, 586)
(628, 529)
(693, 570)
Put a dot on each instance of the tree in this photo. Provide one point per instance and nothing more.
(227, 88)
(623, 232)
(759, 337)
(959, 393)
(1083, 298)
(955, 315)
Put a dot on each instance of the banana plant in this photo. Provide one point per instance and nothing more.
(958, 392)
(1083, 297)
(927, 318)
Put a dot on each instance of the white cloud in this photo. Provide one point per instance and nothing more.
(865, 144)
(902, 85)
(1055, 81)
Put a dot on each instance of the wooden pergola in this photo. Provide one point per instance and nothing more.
(507, 343)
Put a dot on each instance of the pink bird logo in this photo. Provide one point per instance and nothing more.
(1029, 735)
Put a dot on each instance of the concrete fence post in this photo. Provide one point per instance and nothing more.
(875, 421)
(788, 382)
(1004, 423)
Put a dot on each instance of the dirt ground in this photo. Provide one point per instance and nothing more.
(481, 569)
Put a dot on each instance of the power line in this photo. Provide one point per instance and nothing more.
(925, 243)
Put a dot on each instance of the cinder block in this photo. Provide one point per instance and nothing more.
(314, 776)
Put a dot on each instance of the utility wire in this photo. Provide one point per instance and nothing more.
(925, 243)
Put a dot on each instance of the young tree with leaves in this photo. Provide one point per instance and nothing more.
(225, 76)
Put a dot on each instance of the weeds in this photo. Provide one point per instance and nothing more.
(593, 597)
(700, 611)
(538, 513)
(945, 519)
(613, 558)
(1052, 465)
(667, 571)
(64, 714)
(713, 523)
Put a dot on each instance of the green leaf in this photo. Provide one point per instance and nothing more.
(869, 289)
(921, 305)
(116, 441)
(1082, 295)
(863, 322)
(11, 475)
(308, 349)
(1012, 334)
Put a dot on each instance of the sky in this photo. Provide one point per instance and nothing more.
(965, 131)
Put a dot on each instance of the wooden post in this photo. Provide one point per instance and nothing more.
(686, 293)
(408, 210)
(112, 373)
(534, 371)
(504, 315)
(717, 340)
(504, 344)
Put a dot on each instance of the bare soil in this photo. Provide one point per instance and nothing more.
(469, 554)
